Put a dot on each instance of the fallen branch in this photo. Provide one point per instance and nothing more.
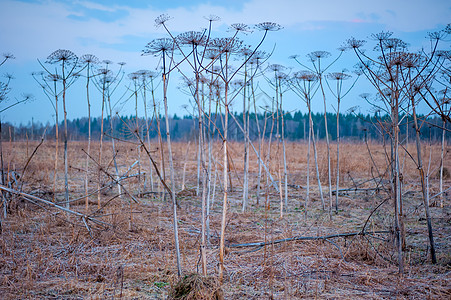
(29, 197)
(353, 189)
(304, 238)
(101, 189)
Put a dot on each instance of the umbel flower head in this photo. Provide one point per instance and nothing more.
(381, 36)
(161, 20)
(338, 76)
(8, 56)
(258, 57)
(226, 45)
(315, 55)
(62, 55)
(276, 67)
(392, 44)
(241, 27)
(212, 18)
(268, 26)
(192, 38)
(159, 46)
(246, 51)
(53, 77)
(105, 72)
(355, 43)
(89, 59)
(306, 76)
(143, 74)
(133, 76)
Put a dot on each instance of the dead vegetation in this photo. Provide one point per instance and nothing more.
(49, 254)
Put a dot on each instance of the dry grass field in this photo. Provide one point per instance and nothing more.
(49, 254)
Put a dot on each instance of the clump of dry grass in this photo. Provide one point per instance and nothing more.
(362, 251)
(195, 286)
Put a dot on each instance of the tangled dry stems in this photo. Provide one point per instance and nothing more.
(195, 286)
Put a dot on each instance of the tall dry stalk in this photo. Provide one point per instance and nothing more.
(107, 82)
(277, 83)
(135, 78)
(90, 61)
(316, 58)
(304, 84)
(339, 94)
(164, 47)
(144, 76)
(67, 60)
(49, 86)
(4, 90)
(226, 47)
(112, 84)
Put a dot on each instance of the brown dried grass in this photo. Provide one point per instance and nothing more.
(45, 256)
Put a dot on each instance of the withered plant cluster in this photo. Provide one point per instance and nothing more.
(147, 207)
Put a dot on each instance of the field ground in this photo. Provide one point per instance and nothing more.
(47, 254)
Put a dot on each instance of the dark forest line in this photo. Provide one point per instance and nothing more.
(352, 127)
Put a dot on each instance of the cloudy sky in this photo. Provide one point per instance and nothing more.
(119, 30)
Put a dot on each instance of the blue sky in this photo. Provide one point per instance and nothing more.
(118, 31)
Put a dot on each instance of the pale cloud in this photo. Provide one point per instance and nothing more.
(33, 29)
(96, 6)
(397, 15)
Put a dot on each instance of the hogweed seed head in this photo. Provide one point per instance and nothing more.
(318, 55)
(306, 76)
(355, 43)
(241, 27)
(338, 76)
(159, 46)
(443, 54)
(89, 59)
(276, 67)
(133, 76)
(161, 19)
(27, 97)
(365, 96)
(258, 57)
(268, 26)
(381, 36)
(53, 77)
(105, 71)
(226, 45)
(436, 35)
(238, 83)
(212, 18)
(9, 76)
(145, 74)
(192, 38)
(8, 55)
(62, 55)
(392, 44)
(246, 51)
(37, 73)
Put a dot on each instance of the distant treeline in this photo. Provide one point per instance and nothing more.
(352, 127)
